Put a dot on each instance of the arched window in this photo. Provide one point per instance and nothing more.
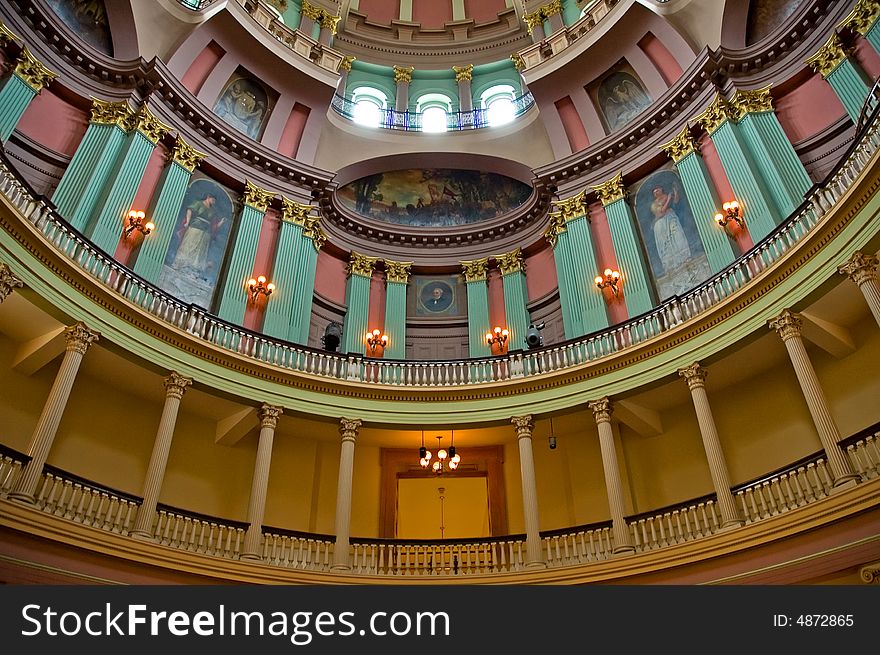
(498, 103)
(434, 108)
(369, 104)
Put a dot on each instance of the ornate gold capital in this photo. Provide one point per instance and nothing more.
(829, 56)
(510, 262)
(79, 337)
(554, 228)
(403, 74)
(523, 425)
(294, 212)
(269, 415)
(32, 71)
(787, 324)
(361, 265)
(329, 22)
(348, 428)
(552, 8)
(309, 10)
(112, 113)
(573, 207)
(860, 268)
(6, 36)
(716, 114)
(175, 385)
(347, 61)
(187, 156)
(602, 409)
(612, 190)
(150, 126)
(464, 73)
(397, 271)
(752, 102)
(312, 230)
(695, 375)
(862, 17)
(256, 197)
(518, 62)
(533, 20)
(681, 146)
(475, 270)
(8, 282)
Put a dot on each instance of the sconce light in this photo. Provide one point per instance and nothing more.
(259, 286)
(136, 222)
(609, 278)
(498, 336)
(374, 339)
(731, 213)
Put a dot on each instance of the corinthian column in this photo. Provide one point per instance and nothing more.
(175, 386)
(602, 413)
(696, 379)
(348, 428)
(256, 508)
(79, 338)
(862, 269)
(8, 282)
(788, 326)
(534, 554)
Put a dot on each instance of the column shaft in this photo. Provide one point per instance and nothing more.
(357, 299)
(79, 171)
(534, 552)
(288, 278)
(341, 555)
(568, 297)
(594, 315)
(636, 287)
(478, 318)
(395, 319)
(15, 96)
(515, 298)
(620, 530)
(98, 175)
(234, 299)
(260, 483)
(850, 85)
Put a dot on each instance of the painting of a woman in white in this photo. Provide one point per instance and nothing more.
(672, 243)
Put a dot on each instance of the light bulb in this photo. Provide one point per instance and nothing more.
(270, 288)
(151, 226)
(262, 279)
(442, 453)
(436, 466)
(455, 460)
(423, 462)
(453, 465)
(428, 455)
(598, 280)
(252, 282)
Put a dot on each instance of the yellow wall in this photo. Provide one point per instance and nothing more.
(21, 397)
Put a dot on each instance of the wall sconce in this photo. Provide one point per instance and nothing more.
(136, 222)
(498, 336)
(374, 339)
(259, 286)
(731, 213)
(609, 278)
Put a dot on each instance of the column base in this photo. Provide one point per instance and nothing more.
(623, 551)
(727, 526)
(141, 535)
(537, 564)
(845, 482)
(22, 497)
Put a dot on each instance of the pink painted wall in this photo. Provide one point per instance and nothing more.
(483, 11)
(379, 11)
(54, 123)
(330, 277)
(722, 187)
(202, 66)
(808, 109)
(376, 312)
(431, 13)
(605, 258)
(572, 124)
(264, 261)
(659, 54)
(497, 314)
(147, 189)
(868, 58)
(541, 274)
(293, 130)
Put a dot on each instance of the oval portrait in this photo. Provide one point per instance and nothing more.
(436, 296)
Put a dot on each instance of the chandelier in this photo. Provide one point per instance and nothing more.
(446, 460)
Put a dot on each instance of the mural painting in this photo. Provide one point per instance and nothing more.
(433, 197)
(437, 297)
(619, 96)
(245, 104)
(675, 253)
(201, 234)
(88, 19)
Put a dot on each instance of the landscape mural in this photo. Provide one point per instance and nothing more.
(434, 197)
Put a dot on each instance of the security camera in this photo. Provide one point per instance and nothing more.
(552, 441)
(533, 335)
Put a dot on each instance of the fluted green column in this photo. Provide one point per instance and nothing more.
(123, 184)
(397, 276)
(759, 211)
(863, 19)
(872, 34)
(28, 78)
(233, 302)
(313, 239)
(846, 77)
(557, 235)
(478, 306)
(571, 13)
(703, 200)
(164, 209)
(516, 296)
(357, 299)
(633, 270)
(772, 152)
(90, 174)
(594, 315)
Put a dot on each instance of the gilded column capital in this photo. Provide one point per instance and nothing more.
(348, 428)
(6, 35)
(681, 146)
(187, 156)
(787, 324)
(269, 415)
(829, 56)
(573, 207)
(398, 271)
(403, 75)
(862, 17)
(612, 190)
(695, 375)
(309, 10)
(328, 22)
(752, 102)
(150, 126)
(518, 62)
(511, 262)
(554, 228)
(312, 230)
(860, 268)
(175, 385)
(533, 20)
(79, 337)
(552, 8)
(256, 197)
(32, 71)
(523, 425)
(361, 264)
(464, 73)
(295, 212)
(716, 114)
(8, 282)
(476, 270)
(346, 63)
(602, 409)
(111, 113)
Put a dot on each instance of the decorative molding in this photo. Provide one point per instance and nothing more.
(523, 425)
(862, 17)
(518, 62)
(112, 113)
(612, 190)
(403, 74)
(870, 573)
(554, 228)
(828, 57)
(79, 337)
(716, 114)
(681, 146)
(150, 126)
(312, 230)
(464, 73)
(475, 270)
(860, 268)
(347, 61)
(8, 282)
(6, 36)
(361, 265)
(256, 197)
(602, 409)
(695, 375)
(787, 324)
(348, 428)
(511, 262)
(397, 271)
(187, 156)
(752, 102)
(175, 385)
(269, 415)
(32, 71)
(294, 212)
